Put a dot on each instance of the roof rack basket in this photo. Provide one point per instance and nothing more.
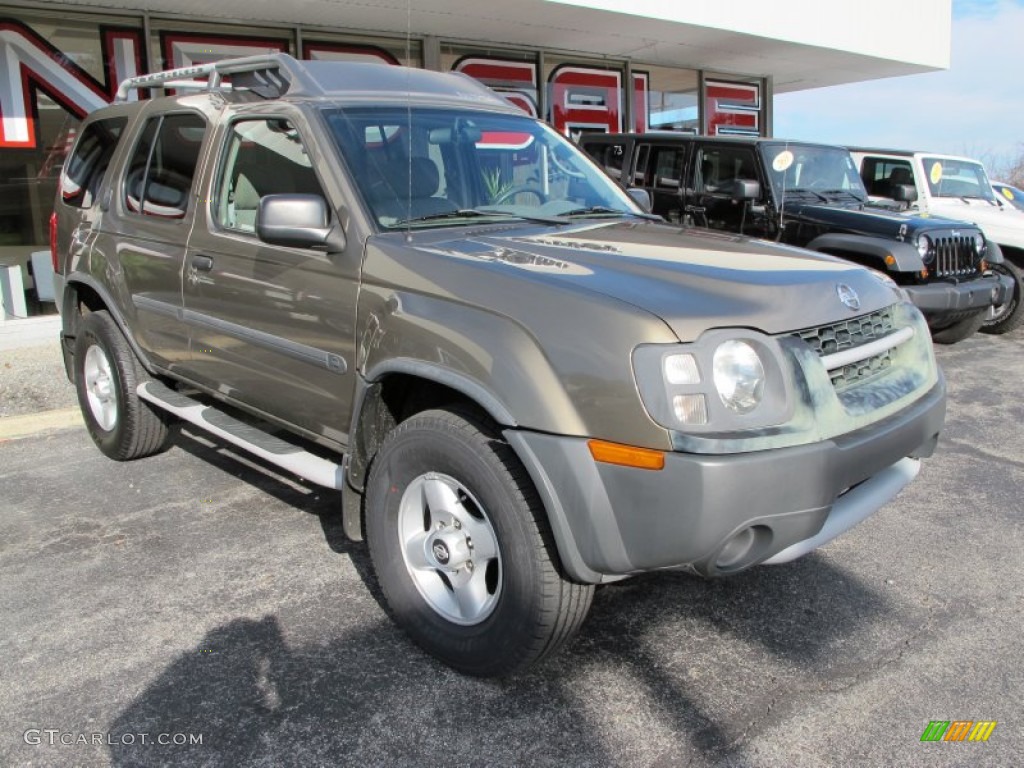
(268, 76)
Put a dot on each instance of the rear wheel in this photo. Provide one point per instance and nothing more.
(461, 547)
(1007, 316)
(960, 330)
(107, 372)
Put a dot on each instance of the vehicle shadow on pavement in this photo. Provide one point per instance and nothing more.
(659, 653)
(256, 472)
(702, 663)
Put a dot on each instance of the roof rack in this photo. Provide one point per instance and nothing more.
(268, 76)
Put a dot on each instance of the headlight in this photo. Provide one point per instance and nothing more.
(924, 248)
(729, 380)
(738, 376)
(979, 244)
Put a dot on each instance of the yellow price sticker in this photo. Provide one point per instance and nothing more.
(936, 173)
(1007, 193)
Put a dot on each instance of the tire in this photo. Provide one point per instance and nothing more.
(1009, 315)
(123, 426)
(462, 550)
(959, 330)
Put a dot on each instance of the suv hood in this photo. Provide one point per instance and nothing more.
(693, 280)
(895, 225)
(1002, 224)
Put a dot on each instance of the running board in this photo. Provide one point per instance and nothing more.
(252, 439)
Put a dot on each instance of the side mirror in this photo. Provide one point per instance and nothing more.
(904, 193)
(641, 197)
(746, 189)
(297, 221)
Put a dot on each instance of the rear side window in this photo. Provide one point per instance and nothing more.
(163, 165)
(85, 169)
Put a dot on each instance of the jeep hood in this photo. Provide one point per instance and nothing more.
(693, 280)
(1001, 224)
(873, 221)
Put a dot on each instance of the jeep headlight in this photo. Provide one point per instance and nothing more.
(730, 380)
(739, 376)
(979, 243)
(924, 248)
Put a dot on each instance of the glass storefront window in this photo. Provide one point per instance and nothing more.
(72, 62)
(584, 96)
(672, 99)
(733, 106)
(511, 73)
(323, 46)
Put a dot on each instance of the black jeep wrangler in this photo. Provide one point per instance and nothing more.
(811, 195)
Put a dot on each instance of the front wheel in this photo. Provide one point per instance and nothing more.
(1007, 316)
(107, 372)
(461, 547)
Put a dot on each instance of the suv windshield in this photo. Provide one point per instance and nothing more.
(957, 178)
(828, 171)
(443, 167)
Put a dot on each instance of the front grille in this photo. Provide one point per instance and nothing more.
(954, 256)
(854, 373)
(828, 339)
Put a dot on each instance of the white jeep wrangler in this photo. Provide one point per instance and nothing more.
(957, 188)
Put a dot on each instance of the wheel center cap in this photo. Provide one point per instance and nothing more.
(441, 553)
(448, 549)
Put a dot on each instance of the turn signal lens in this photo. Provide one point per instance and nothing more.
(626, 455)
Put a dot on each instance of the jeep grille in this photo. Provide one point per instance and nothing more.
(829, 339)
(954, 257)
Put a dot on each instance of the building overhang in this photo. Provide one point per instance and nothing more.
(800, 44)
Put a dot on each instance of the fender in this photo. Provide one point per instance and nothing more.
(449, 378)
(370, 421)
(993, 253)
(906, 255)
(68, 313)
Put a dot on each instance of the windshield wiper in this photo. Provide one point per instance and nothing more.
(849, 192)
(816, 193)
(469, 213)
(603, 210)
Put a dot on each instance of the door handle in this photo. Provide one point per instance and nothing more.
(202, 263)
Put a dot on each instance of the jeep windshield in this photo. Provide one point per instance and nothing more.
(957, 178)
(431, 167)
(826, 174)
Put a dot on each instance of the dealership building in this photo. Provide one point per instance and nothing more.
(582, 65)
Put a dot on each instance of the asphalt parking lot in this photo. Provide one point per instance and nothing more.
(199, 594)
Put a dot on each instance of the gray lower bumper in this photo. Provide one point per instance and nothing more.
(720, 514)
(946, 298)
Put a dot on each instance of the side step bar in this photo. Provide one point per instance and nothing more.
(268, 447)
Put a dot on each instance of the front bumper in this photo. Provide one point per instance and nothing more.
(719, 514)
(939, 300)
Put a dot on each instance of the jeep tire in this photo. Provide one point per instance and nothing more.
(959, 330)
(461, 547)
(123, 426)
(1009, 315)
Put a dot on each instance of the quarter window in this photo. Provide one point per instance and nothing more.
(163, 165)
(88, 164)
(263, 157)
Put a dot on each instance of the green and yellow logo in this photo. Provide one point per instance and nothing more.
(958, 730)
